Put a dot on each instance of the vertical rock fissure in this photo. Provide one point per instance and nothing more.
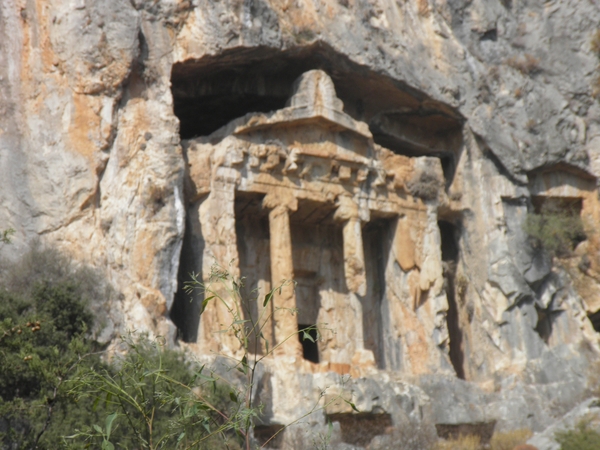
(185, 312)
(450, 250)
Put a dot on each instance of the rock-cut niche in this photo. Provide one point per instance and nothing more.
(299, 132)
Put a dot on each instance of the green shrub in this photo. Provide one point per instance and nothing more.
(44, 318)
(555, 229)
(54, 383)
(152, 398)
(59, 388)
(5, 236)
(582, 437)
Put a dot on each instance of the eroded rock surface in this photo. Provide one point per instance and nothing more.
(383, 154)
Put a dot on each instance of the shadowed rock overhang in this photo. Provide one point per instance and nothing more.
(210, 92)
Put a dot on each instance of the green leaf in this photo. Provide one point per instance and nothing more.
(109, 421)
(106, 445)
(239, 322)
(352, 405)
(205, 303)
(98, 429)
(306, 336)
(181, 436)
(233, 397)
(245, 365)
(268, 298)
(108, 398)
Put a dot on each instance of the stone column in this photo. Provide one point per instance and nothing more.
(282, 269)
(354, 256)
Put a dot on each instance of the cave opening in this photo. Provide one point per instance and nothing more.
(211, 91)
(449, 235)
(543, 326)
(595, 319)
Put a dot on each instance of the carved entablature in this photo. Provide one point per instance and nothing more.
(312, 148)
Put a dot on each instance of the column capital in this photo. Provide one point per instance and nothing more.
(280, 200)
(347, 209)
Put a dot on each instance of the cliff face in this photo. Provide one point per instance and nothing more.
(393, 182)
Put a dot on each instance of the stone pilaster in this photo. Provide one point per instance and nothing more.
(282, 271)
(217, 224)
(354, 256)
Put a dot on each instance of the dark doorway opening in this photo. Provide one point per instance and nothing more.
(264, 433)
(377, 241)
(449, 238)
(317, 251)
(449, 234)
(448, 161)
(308, 336)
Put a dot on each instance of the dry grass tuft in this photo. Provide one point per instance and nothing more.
(527, 64)
(510, 439)
(518, 93)
(595, 43)
(469, 442)
(596, 88)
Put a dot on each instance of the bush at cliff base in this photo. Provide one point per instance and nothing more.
(47, 356)
(582, 437)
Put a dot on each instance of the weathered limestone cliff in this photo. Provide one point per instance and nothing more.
(383, 154)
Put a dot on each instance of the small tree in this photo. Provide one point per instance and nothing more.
(555, 229)
(156, 400)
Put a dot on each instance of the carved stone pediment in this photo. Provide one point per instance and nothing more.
(313, 103)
